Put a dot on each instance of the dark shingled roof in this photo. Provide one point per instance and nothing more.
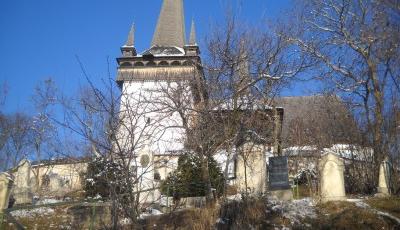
(326, 110)
(170, 30)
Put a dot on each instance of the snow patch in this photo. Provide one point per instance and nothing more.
(48, 201)
(32, 212)
(236, 197)
(150, 212)
(295, 210)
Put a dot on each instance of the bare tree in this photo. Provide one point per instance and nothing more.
(4, 131)
(356, 45)
(43, 129)
(246, 67)
(119, 126)
(15, 136)
(3, 93)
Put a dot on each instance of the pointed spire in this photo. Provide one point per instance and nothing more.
(170, 30)
(129, 50)
(131, 37)
(192, 40)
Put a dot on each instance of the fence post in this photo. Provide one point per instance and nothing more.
(92, 219)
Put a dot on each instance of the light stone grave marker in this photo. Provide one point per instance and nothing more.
(331, 169)
(6, 183)
(384, 178)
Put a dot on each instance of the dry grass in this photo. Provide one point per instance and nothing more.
(387, 204)
(58, 220)
(302, 192)
(345, 215)
(64, 217)
(231, 190)
(232, 215)
(242, 215)
(196, 219)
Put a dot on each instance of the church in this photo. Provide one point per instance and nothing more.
(165, 86)
(163, 94)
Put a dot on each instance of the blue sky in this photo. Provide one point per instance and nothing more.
(40, 38)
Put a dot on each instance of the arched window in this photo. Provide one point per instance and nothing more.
(139, 63)
(188, 63)
(163, 63)
(175, 63)
(126, 64)
(151, 63)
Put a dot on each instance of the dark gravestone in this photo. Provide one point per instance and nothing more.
(278, 173)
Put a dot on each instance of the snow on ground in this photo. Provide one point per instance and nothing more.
(25, 213)
(220, 221)
(295, 210)
(150, 212)
(236, 197)
(48, 201)
(166, 201)
(125, 221)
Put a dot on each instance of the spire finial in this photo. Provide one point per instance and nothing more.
(131, 37)
(192, 40)
(170, 30)
(128, 50)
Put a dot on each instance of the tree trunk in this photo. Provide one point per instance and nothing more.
(206, 178)
(379, 148)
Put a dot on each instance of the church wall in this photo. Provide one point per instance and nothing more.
(147, 109)
(146, 105)
(53, 180)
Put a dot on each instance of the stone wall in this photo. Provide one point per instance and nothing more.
(46, 180)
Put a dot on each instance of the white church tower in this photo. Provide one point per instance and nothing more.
(160, 83)
(158, 89)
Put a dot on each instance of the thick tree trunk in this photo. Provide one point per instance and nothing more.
(206, 178)
(379, 148)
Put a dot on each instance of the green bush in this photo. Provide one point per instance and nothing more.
(187, 179)
(102, 175)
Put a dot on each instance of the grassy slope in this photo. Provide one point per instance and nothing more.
(240, 215)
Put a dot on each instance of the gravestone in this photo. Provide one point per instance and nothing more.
(250, 169)
(384, 179)
(278, 173)
(6, 183)
(22, 190)
(278, 177)
(331, 169)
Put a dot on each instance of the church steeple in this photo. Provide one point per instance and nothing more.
(192, 49)
(170, 30)
(129, 50)
(131, 36)
(192, 39)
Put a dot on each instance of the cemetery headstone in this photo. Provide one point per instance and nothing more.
(6, 183)
(332, 178)
(278, 173)
(384, 178)
(278, 177)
